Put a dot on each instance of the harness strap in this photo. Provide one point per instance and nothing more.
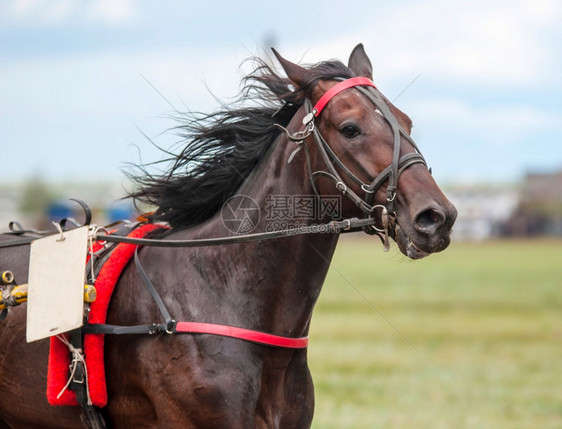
(406, 161)
(398, 132)
(326, 148)
(336, 89)
(252, 336)
(16, 242)
(163, 310)
(340, 184)
(242, 334)
(172, 327)
(103, 328)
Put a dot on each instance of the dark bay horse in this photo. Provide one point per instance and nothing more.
(208, 381)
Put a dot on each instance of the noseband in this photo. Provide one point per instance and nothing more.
(331, 159)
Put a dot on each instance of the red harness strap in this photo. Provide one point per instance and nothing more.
(242, 334)
(336, 89)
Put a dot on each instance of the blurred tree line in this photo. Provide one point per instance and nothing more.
(539, 212)
(36, 196)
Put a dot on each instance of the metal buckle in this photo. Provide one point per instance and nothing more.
(365, 188)
(340, 186)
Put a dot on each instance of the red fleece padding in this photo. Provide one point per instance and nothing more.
(59, 357)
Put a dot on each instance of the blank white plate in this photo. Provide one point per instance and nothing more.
(55, 297)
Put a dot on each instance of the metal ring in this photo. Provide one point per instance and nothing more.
(380, 206)
(7, 277)
(94, 230)
(383, 213)
(365, 187)
(374, 228)
(170, 326)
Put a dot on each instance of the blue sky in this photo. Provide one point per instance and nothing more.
(78, 78)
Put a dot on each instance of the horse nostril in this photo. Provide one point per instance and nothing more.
(428, 221)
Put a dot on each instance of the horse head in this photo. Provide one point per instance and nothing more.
(359, 144)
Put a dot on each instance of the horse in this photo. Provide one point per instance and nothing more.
(280, 157)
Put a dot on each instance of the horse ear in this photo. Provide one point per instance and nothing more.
(296, 73)
(359, 62)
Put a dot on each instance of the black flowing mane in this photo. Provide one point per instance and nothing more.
(223, 148)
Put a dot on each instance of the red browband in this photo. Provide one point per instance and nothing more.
(240, 333)
(336, 89)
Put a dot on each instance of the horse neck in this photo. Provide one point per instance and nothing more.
(296, 266)
(282, 277)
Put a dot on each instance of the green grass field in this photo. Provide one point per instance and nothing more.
(469, 338)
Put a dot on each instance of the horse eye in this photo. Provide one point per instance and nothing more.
(350, 131)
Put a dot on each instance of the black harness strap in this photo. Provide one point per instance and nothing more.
(341, 226)
(99, 328)
(163, 310)
(21, 241)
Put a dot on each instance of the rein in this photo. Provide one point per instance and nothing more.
(342, 226)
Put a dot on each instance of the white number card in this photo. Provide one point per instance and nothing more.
(55, 297)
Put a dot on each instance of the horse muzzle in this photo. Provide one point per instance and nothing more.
(427, 232)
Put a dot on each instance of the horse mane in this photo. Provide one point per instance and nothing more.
(222, 148)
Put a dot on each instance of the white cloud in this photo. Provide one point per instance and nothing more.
(498, 43)
(495, 43)
(116, 11)
(55, 12)
(21, 8)
(503, 124)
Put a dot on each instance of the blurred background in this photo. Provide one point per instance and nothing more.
(86, 85)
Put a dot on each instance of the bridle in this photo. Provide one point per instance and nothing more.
(366, 87)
